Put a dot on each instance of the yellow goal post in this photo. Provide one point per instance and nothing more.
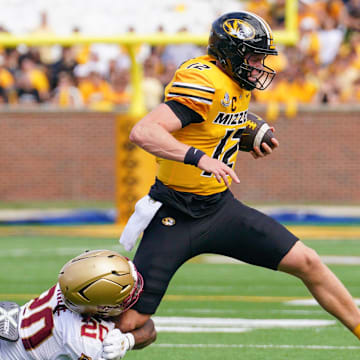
(287, 36)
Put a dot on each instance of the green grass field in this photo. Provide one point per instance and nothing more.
(211, 310)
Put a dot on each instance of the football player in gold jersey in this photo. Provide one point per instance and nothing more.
(190, 210)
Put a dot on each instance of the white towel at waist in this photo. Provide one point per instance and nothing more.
(145, 210)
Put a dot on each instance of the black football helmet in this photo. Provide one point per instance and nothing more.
(235, 36)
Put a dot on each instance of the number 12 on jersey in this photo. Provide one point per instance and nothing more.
(225, 150)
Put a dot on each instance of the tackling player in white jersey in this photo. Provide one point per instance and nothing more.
(76, 318)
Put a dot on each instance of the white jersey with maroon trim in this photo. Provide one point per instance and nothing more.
(49, 331)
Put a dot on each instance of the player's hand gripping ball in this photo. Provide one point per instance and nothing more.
(256, 132)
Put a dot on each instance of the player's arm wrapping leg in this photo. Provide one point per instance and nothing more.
(140, 326)
(144, 335)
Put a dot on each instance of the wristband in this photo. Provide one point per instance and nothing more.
(192, 156)
(131, 340)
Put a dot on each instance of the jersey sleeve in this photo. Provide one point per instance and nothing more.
(184, 113)
(192, 88)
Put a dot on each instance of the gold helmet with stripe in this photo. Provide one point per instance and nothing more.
(233, 37)
(100, 282)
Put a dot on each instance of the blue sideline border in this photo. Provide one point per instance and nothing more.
(96, 216)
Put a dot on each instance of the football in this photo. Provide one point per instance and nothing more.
(256, 132)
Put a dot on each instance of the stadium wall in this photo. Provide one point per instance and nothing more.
(49, 155)
(317, 161)
(57, 156)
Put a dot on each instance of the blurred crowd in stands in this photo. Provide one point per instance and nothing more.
(322, 68)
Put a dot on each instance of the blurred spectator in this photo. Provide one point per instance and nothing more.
(3, 96)
(3, 30)
(167, 73)
(95, 91)
(81, 52)
(106, 55)
(316, 8)
(94, 64)
(323, 67)
(33, 77)
(120, 94)
(26, 93)
(66, 94)
(113, 68)
(158, 49)
(279, 62)
(354, 47)
(11, 60)
(291, 87)
(7, 82)
(66, 63)
(48, 54)
(330, 39)
(261, 8)
(301, 88)
(344, 70)
(334, 9)
(309, 44)
(329, 92)
(354, 96)
(351, 15)
(123, 61)
(177, 54)
(311, 70)
(152, 87)
(277, 14)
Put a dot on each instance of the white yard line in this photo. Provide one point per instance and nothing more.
(309, 302)
(340, 260)
(200, 329)
(236, 322)
(231, 325)
(258, 346)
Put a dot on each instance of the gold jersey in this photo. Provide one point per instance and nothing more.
(202, 86)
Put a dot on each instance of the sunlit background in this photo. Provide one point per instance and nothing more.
(67, 104)
(75, 76)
